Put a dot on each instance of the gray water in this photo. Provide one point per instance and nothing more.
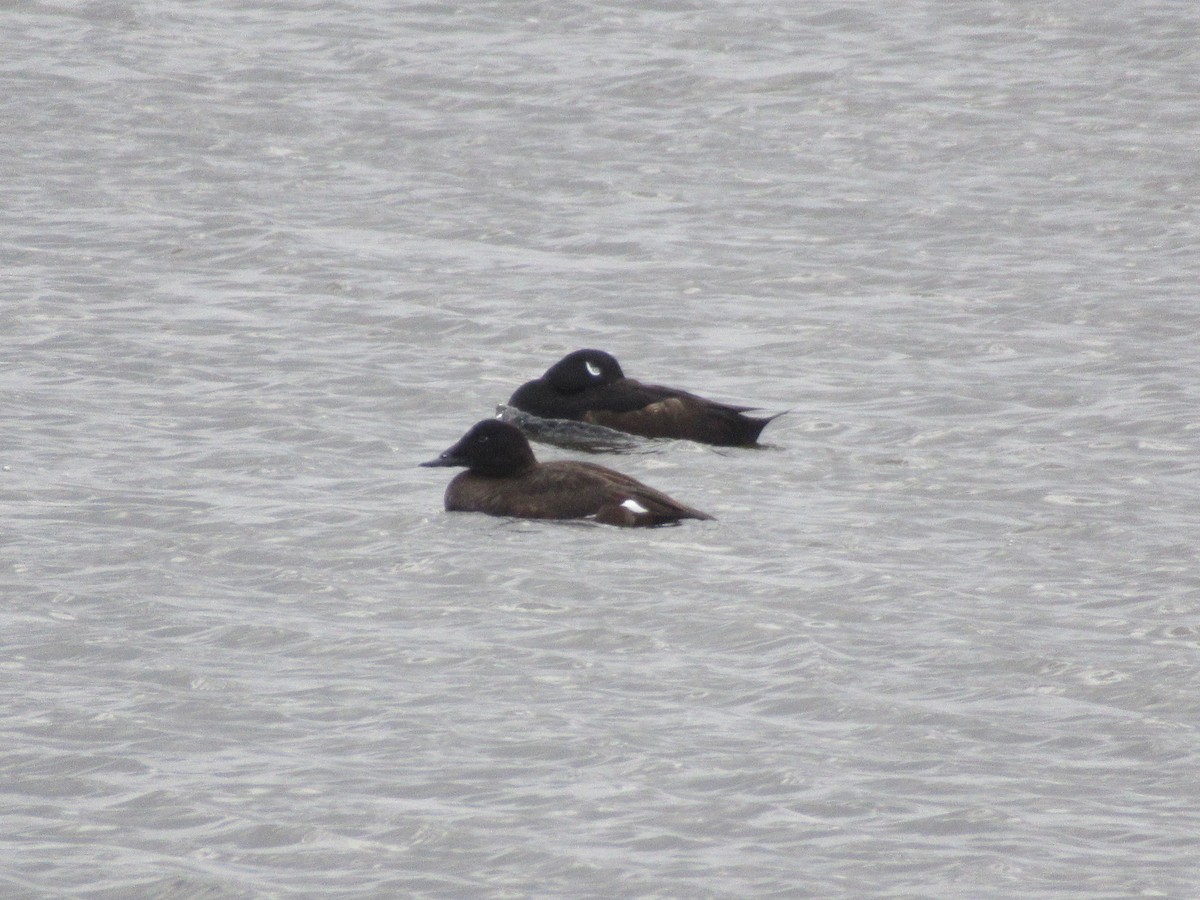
(943, 637)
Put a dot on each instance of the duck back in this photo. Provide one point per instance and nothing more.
(568, 490)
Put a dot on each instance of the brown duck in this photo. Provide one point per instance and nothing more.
(504, 479)
(589, 386)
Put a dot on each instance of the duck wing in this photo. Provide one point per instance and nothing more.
(656, 411)
(614, 498)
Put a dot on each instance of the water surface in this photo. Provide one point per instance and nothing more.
(941, 640)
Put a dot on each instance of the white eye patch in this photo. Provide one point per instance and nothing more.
(633, 506)
(593, 369)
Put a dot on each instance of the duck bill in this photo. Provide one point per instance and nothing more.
(447, 458)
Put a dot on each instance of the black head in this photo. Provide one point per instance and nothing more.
(491, 447)
(583, 369)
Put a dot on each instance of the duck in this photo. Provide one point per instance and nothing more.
(503, 478)
(589, 386)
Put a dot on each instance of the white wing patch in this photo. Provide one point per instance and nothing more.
(593, 369)
(633, 506)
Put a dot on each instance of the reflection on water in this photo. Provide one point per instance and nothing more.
(572, 435)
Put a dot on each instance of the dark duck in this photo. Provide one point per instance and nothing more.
(589, 386)
(504, 479)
